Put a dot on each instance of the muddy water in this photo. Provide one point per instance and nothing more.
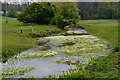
(45, 66)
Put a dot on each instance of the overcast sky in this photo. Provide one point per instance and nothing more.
(60, 0)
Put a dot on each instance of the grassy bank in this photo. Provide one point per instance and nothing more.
(106, 29)
(14, 42)
(105, 66)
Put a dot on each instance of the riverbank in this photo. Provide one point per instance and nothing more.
(104, 67)
(14, 42)
(105, 29)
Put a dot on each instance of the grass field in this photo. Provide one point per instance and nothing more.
(13, 42)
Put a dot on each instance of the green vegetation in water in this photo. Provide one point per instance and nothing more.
(85, 44)
(69, 74)
(14, 71)
(74, 32)
(43, 54)
(75, 61)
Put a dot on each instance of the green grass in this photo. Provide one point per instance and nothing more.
(104, 67)
(13, 42)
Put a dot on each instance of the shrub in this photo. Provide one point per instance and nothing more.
(60, 14)
(37, 12)
(66, 14)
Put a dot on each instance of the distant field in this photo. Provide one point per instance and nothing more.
(14, 42)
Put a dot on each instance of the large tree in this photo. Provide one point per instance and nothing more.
(67, 13)
(61, 14)
(37, 12)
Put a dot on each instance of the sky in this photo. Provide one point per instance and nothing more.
(60, 0)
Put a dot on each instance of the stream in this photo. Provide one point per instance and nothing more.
(45, 66)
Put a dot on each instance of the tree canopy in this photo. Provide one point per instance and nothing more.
(61, 14)
(37, 12)
(67, 13)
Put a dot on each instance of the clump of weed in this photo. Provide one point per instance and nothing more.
(42, 54)
(14, 71)
(82, 44)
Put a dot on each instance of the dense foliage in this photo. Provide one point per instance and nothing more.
(45, 13)
(40, 13)
(66, 14)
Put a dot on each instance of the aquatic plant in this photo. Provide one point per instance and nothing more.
(14, 71)
(84, 44)
(42, 54)
(74, 32)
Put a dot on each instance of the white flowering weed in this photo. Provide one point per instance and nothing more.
(83, 44)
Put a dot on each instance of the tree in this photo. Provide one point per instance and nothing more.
(3, 8)
(37, 12)
(66, 13)
(61, 14)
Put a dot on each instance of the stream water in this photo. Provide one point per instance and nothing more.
(44, 66)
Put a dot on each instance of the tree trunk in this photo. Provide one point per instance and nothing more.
(6, 13)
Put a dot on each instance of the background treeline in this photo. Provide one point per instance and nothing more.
(13, 8)
(88, 10)
(98, 10)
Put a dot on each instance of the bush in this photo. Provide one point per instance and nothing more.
(60, 14)
(66, 14)
(37, 12)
